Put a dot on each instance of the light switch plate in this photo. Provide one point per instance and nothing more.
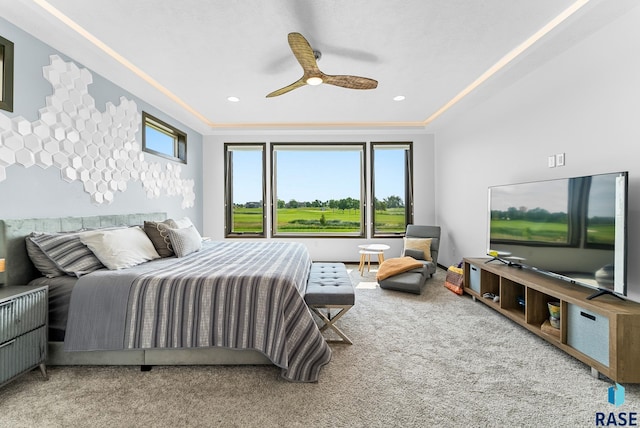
(551, 161)
(560, 159)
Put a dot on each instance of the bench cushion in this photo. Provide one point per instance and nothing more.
(329, 284)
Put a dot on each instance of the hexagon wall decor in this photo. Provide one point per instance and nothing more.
(96, 148)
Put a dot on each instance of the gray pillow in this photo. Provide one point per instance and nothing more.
(40, 260)
(68, 253)
(158, 233)
(416, 254)
(185, 241)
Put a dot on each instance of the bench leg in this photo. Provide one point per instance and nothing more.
(329, 321)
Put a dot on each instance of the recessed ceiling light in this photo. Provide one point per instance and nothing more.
(233, 99)
(398, 98)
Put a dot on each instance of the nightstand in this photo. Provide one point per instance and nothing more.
(23, 330)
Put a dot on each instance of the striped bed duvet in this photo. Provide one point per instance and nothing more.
(239, 295)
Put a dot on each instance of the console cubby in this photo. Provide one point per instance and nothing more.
(489, 283)
(512, 298)
(600, 332)
(537, 316)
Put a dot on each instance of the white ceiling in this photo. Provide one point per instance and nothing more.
(202, 51)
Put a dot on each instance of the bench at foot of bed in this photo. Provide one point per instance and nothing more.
(329, 287)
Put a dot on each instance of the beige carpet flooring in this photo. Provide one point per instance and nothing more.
(434, 360)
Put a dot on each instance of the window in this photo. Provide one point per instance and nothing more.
(600, 223)
(392, 188)
(318, 189)
(163, 139)
(6, 74)
(244, 189)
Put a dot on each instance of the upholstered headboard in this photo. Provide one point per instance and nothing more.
(18, 267)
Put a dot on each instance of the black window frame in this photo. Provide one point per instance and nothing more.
(408, 196)
(228, 191)
(180, 138)
(7, 63)
(363, 190)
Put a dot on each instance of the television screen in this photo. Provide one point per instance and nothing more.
(573, 228)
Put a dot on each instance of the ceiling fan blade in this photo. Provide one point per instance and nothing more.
(303, 53)
(351, 82)
(286, 89)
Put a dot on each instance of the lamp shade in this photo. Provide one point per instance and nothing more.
(1, 265)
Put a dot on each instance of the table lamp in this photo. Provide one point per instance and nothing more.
(1, 271)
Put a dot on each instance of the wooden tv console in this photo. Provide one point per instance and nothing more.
(603, 333)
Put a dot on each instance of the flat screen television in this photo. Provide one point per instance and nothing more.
(574, 229)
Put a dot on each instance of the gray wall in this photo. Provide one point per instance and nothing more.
(37, 192)
(584, 101)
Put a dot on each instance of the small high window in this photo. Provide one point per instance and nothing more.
(162, 139)
(6, 74)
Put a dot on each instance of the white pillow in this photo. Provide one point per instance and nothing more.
(182, 223)
(185, 241)
(120, 248)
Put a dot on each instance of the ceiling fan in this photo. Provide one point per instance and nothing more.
(307, 58)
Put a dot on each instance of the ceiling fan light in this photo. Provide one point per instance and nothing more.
(314, 81)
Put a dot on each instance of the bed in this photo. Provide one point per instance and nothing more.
(228, 303)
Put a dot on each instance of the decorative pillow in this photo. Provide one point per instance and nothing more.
(422, 244)
(40, 260)
(416, 254)
(120, 248)
(185, 241)
(158, 233)
(68, 253)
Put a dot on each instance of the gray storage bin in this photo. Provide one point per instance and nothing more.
(588, 332)
(474, 278)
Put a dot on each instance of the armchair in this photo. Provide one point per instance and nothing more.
(416, 232)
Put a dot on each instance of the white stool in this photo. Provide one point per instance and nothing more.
(368, 250)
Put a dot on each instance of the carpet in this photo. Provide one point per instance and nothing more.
(436, 359)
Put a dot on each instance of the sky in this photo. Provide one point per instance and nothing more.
(552, 196)
(315, 174)
(158, 141)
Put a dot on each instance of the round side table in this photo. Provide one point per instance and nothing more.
(368, 250)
